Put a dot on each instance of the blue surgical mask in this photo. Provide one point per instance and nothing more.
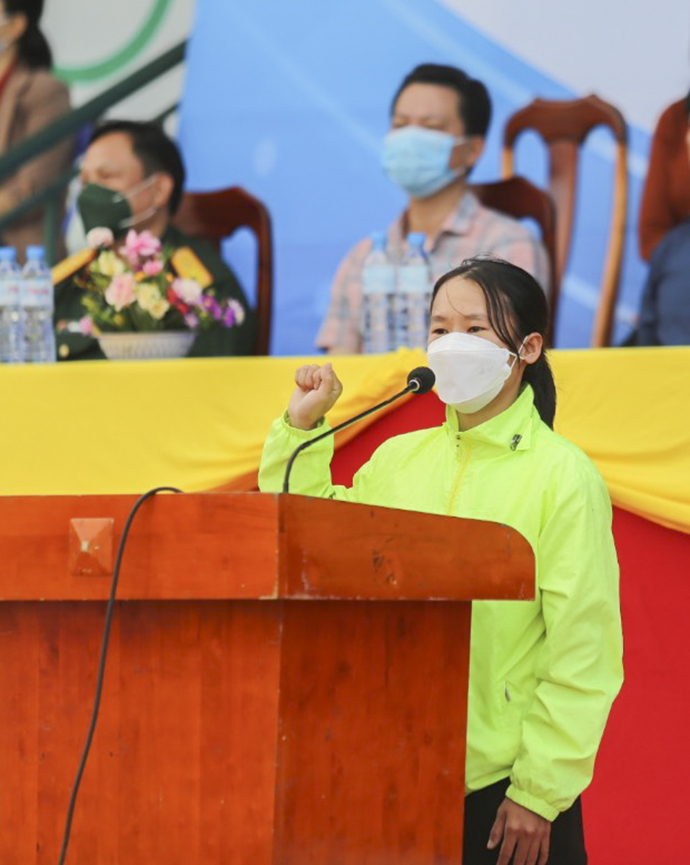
(417, 159)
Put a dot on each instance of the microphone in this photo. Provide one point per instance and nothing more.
(419, 381)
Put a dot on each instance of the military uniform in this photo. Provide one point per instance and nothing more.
(196, 256)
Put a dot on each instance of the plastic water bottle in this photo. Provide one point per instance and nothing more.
(378, 289)
(37, 308)
(11, 332)
(413, 296)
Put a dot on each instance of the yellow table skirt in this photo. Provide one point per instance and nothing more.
(107, 427)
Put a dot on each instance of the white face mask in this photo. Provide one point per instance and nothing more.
(470, 371)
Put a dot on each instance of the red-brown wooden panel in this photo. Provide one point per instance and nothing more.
(373, 722)
(180, 546)
(182, 768)
(344, 550)
(238, 546)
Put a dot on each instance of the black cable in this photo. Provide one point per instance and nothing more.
(101, 666)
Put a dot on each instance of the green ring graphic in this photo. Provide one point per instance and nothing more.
(96, 71)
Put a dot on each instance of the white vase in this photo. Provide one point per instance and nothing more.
(146, 346)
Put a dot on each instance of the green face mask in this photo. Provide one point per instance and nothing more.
(100, 207)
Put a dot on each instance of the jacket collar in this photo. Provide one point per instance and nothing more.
(512, 429)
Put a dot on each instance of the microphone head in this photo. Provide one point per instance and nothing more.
(421, 380)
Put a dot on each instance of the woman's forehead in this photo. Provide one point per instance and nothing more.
(461, 296)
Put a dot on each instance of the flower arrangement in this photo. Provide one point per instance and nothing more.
(131, 288)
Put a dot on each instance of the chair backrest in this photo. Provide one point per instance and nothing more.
(563, 126)
(217, 215)
(521, 199)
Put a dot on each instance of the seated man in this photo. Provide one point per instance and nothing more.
(665, 304)
(439, 120)
(133, 177)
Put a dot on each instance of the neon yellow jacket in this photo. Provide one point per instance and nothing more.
(543, 673)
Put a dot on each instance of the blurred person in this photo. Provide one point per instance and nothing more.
(439, 121)
(30, 98)
(133, 176)
(664, 317)
(666, 194)
(664, 233)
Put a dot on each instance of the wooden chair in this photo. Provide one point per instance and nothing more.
(217, 215)
(563, 126)
(521, 199)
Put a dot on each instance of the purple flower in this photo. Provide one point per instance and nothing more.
(210, 304)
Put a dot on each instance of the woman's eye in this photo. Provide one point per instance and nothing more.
(475, 328)
(439, 330)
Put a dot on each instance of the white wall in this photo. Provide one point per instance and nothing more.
(86, 32)
(632, 53)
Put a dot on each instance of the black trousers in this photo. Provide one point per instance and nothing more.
(567, 845)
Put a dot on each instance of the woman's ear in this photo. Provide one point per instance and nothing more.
(532, 348)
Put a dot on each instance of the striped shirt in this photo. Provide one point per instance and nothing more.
(471, 229)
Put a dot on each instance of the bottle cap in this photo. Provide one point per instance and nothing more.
(8, 253)
(416, 238)
(378, 239)
(34, 252)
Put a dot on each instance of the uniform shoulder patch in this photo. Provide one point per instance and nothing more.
(188, 265)
(72, 264)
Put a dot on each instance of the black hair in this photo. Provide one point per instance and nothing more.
(33, 46)
(474, 102)
(687, 105)
(154, 149)
(516, 306)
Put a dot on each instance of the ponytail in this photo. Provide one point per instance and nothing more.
(540, 377)
(34, 49)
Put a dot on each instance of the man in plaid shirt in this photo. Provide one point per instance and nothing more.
(439, 120)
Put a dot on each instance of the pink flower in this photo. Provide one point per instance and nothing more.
(121, 291)
(86, 325)
(191, 320)
(152, 267)
(138, 246)
(99, 237)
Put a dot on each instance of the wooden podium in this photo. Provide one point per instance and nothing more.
(286, 680)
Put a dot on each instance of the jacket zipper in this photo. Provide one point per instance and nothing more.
(467, 449)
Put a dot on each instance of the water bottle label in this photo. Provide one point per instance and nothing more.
(9, 292)
(37, 294)
(378, 279)
(414, 280)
